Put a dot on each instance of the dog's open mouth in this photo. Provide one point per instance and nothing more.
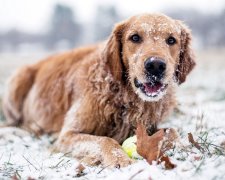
(151, 89)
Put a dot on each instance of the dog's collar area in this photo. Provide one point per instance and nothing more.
(151, 88)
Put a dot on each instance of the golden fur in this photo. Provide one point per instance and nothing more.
(88, 95)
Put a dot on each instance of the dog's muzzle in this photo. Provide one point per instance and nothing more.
(153, 86)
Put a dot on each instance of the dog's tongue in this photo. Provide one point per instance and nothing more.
(150, 88)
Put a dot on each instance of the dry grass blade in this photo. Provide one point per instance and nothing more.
(30, 163)
(194, 143)
(102, 169)
(132, 177)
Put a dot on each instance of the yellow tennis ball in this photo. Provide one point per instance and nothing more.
(129, 146)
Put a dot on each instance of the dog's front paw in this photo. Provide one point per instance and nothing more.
(113, 155)
(117, 158)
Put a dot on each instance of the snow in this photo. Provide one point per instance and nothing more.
(200, 111)
(147, 28)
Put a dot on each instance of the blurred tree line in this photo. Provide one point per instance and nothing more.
(65, 31)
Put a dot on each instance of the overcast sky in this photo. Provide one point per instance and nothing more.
(33, 15)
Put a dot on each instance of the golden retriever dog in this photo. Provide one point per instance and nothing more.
(93, 97)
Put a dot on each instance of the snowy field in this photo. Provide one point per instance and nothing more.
(201, 111)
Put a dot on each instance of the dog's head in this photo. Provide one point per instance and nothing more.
(151, 52)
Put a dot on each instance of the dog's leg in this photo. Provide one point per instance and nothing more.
(75, 138)
(92, 149)
(17, 89)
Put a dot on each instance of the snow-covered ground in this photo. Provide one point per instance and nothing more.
(201, 111)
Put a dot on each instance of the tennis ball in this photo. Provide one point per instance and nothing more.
(129, 146)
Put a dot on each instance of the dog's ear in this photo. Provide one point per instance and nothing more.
(187, 58)
(113, 52)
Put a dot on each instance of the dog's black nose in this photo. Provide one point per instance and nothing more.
(155, 66)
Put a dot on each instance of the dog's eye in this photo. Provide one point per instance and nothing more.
(171, 40)
(135, 38)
